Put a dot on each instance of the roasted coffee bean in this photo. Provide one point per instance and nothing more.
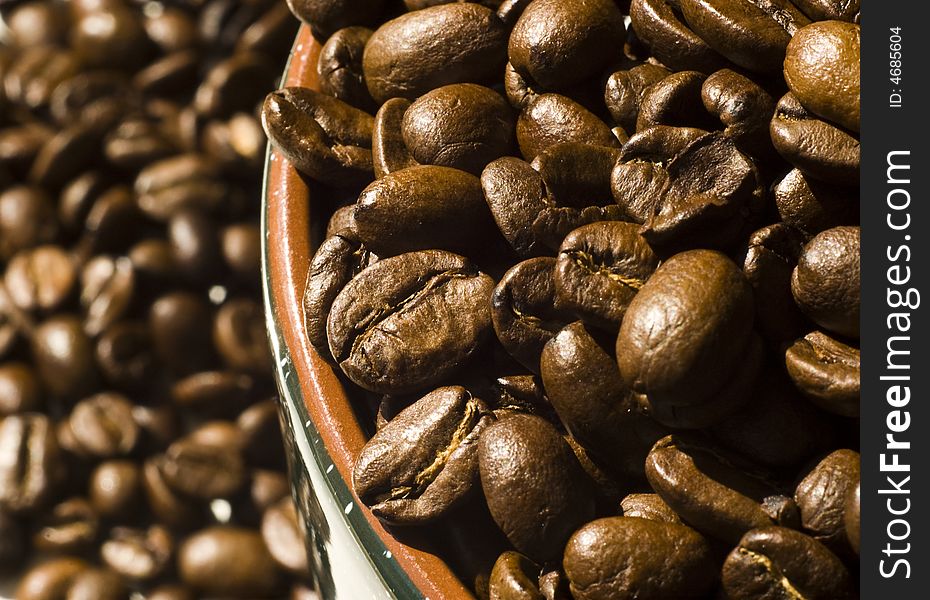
(822, 70)
(707, 490)
(98, 584)
(259, 434)
(213, 392)
(31, 79)
(423, 462)
(744, 109)
(50, 580)
(811, 206)
(138, 554)
(551, 119)
(40, 279)
(780, 562)
(64, 357)
(686, 352)
(77, 198)
(20, 389)
(69, 526)
(399, 213)
(388, 150)
(27, 219)
(268, 487)
(203, 471)
(97, 98)
(659, 25)
(674, 100)
(115, 488)
(648, 506)
(426, 49)
(184, 181)
(229, 562)
(107, 288)
(527, 470)
(171, 508)
(282, 532)
(463, 125)
(241, 246)
(623, 93)
(826, 370)
(770, 259)
(171, 29)
(577, 174)
(584, 386)
(406, 322)
(851, 518)
(181, 331)
(195, 241)
(170, 74)
(125, 355)
(37, 23)
(516, 195)
(236, 143)
(753, 34)
(558, 43)
(68, 153)
(322, 136)
(102, 426)
(29, 462)
(172, 592)
(137, 142)
(621, 557)
(239, 336)
(819, 149)
(515, 577)
(824, 10)
(326, 17)
(825, 284)
(599, 270)
(110, 38)
(340, 67)
(822, 496)
(232, 85)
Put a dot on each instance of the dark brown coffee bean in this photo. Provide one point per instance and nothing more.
(203, 471)
(648, 506)
(398, 212)
(71, 151)
(523, 310)
(31, 79)
(107, 288)
(181, 331)
(222, 433)
(322, 136)
(234, 84)
(822, 495)
(111, 38)
(282, 532)
(27, 219)
(851, 518)
(77, 198)
(811, 206)
(172, 73)
(20, 389)
(516, 195)
(325, 17)
(778, 562)
(340, 67)
(577, 174)
(171, 29)
(659, 25)
(64, 357)
(115, 488)
(69, 526)
(137, 142)
(213, 392)
(819, 149)
(551, 119)
(240, 338)
(195, 241)
(51, 579)
(433, 47)
(825, 284)
(527, 470)
(125, 356)
(230, 562)
(238, 143)
(424, 461)
(770, 259)
(752, 34)
(674, 100)
(689, 350)
(96, 98)
(388, 149)
(29, 462)
(184, 181)
(463, 125)
(138, 554)
(98, 584)
(824, 10)
(826, 371)
(103, 426)
(708, 490)
(743, 108)
(171, 508)
(628, 557)
(558, 43)
(259, 434)
(515, 577)
(584, 386)
(40, 279)
(822, 70)
(241, 245)
(599, 270)
(431, 296)
(623, 93)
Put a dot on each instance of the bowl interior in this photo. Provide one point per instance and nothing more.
(318, 406)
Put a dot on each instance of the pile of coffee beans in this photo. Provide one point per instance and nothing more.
(593, 273)
(140, 449)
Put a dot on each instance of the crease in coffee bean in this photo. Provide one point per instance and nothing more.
(770, 567)
(587, 262)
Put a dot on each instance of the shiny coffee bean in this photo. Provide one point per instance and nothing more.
(103, 426)
(98, 584)
(398, 474)
(283, 535)
(125, 356)
(326, 17)
(232, 85)
(171, 508)
(229, 562)
(515, 577)
(40, 279)
(528, 470)
(340, 67)
(241, 246)
(20, 389)
(516, 195)
(138, 554)
(660, 25)
(811, 206)
(69, 526)
(183, 181)
(826, 370)
(27, 219)
(825, 284)
(240, 338)
(551, 119)
(203, 471)
(259, 435)
(50, 580)
(213, 392)
(648, 506)
(389, 152)
(29, 462)
(822, 496)
(624, 91)
(180, 328)
(115, 488)
(107, 289)
(744, 108)
(576, 174)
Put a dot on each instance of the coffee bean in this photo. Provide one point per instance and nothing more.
(851, 518)
(551, 119)
(674, 100)
(436, 46)
(115, 488)
(98, 584)
(423, 462)
(107, 289)
(389, 152)
(183, 181)
(639, 558)
(232, 85)
(660, 25)
(167, 505)
(811, 206)
(213, 392)
(259, 434)
(26, 219)
(180, 328)
(648, 506)
(40, 279)
(775, 561)
(29, 462)
(515, 577)
(340, 67)
(70, 526)
(825, 284)
(194, 239)
(623, 93)
(576, 174)
(103, 426)
(138, 554)
(823, 10)
(822, 495)
(428, 313)
(282, 533)
(744, 108)
(241, 246)
(230, 562)
(203, 471)
(516, 195)
(826, 370)
(50, 580)
(526, 471)
(125, 356)
(326, 17)
(20, 389)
